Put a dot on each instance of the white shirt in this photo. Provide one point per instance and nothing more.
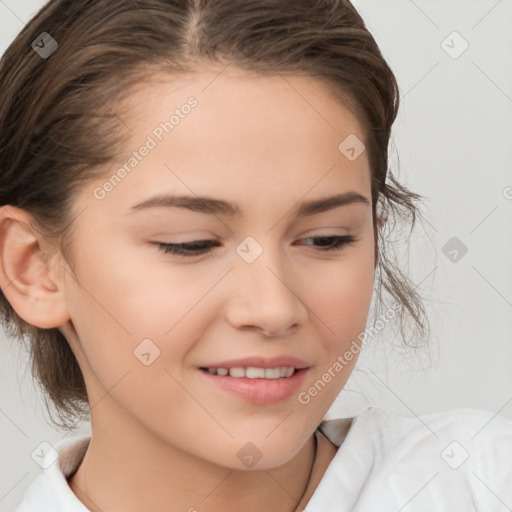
(456, 461)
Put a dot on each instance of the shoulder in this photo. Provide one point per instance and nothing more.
(50, 490)
(459, 458)
(472, 422)
(391, 431)
(459, 433)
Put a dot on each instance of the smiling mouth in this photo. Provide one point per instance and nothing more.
(260, 386)
(252, 372)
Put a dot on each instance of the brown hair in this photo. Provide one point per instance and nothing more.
(59, 127)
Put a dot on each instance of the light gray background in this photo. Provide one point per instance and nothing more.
(454, 141)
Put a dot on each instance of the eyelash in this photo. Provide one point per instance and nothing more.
(184, 249)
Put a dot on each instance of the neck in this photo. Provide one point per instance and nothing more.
(118, 474)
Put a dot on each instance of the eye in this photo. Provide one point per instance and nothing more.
(198, 247)
(188, 249)
(332, 243)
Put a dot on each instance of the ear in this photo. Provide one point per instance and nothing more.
(30, 273)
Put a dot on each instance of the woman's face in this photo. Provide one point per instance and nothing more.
(149, 321)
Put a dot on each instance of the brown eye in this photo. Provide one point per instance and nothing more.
(332, 243)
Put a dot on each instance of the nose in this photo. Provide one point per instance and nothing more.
(265, 296)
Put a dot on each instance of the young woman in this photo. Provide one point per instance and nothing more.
(194, 200)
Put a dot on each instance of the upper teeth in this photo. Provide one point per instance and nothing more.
(255, 373)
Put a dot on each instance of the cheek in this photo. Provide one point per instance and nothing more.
(131, 312)
(134, 330)
(341, 298)
(134, 294)
(340, 293)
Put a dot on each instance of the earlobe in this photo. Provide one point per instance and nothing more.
(27, 272)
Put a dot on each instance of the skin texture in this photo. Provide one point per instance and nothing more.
(163, 437)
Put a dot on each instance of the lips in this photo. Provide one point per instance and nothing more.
(243, 377)
(255, 390)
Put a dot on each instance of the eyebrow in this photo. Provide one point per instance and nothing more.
(210, 205)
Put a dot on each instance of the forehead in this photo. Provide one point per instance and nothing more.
(258, 136)
(244, 95)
